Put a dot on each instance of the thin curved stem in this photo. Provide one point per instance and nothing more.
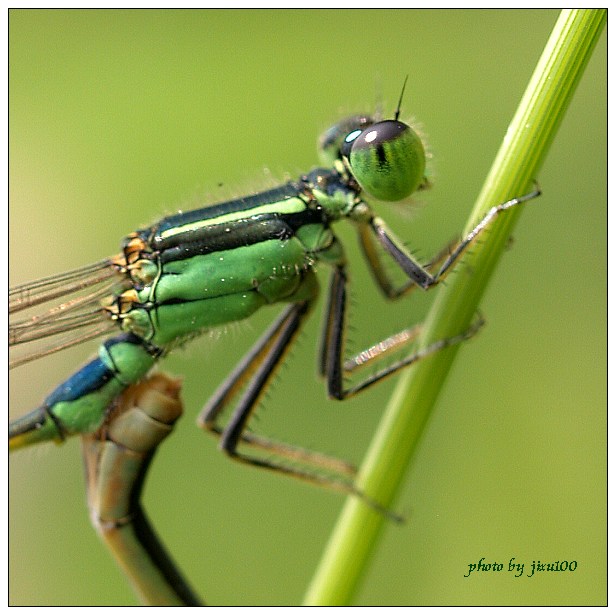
(517, 163)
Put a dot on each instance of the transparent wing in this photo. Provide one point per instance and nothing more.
(77, 316)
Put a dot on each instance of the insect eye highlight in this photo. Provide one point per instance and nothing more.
(347, 143)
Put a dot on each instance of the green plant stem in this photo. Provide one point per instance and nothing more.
(517, 163)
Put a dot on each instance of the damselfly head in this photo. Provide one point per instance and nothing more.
(386, 157)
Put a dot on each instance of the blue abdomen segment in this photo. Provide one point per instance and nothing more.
(90, 378)
(80, 403)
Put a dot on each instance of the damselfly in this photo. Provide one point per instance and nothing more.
(197, 270)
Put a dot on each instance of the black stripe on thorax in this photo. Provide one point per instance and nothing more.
(244, 232)
(280, 193)
(228, 236)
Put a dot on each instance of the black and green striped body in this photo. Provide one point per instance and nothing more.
(197, 270)
(221, 263)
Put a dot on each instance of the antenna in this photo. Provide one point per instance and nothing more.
(397, 114)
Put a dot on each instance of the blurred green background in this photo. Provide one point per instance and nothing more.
(119, 117)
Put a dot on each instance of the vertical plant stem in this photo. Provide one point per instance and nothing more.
(518, 161)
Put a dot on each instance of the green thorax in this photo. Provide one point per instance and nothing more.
(218, 264)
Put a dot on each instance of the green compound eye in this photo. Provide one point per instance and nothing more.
(387, 159)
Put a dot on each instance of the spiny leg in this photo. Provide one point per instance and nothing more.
(422, 276)
(333, 364)
(255, 372)
(369, 246)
